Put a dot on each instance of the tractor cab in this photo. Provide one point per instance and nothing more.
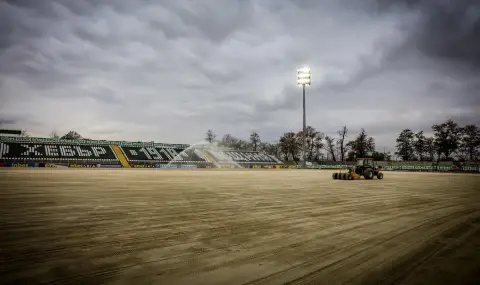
(367, 168)
(362, 163)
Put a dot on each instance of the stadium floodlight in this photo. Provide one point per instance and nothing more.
(304, 79)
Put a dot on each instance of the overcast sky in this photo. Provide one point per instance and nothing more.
(169, 70)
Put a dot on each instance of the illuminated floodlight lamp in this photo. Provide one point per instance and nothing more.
(303, 76)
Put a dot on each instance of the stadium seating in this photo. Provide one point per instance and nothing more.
(91, 152)
(160, 154)
(244, 157)
(49, 151)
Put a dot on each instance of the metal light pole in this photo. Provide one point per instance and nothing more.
(304, 79)
(304, 130)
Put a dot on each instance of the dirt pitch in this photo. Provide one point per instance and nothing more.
(153, 226)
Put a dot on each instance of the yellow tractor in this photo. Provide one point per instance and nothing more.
(365, 167)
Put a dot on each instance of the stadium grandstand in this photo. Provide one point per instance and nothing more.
(17, 151)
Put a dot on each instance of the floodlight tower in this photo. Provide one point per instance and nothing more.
(304, 79)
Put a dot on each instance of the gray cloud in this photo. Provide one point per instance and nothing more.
(168, 71)
(7, 121)
(446, 30)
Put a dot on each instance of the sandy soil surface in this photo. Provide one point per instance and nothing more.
(152, 226)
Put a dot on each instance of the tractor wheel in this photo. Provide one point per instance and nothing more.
(350, 176)
(368, 174)
(380, 175)
(335, 175)
(345, 176)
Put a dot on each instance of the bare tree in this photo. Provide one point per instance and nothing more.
(71, 135)
(210, 136)
(343, 133)
(232, 142)
(270, 148)
(447, 137)
(289, 145)
(370, 144)
(242, 145)
(54, 135)
(330, 147)
(317, 148)
(430, 148)
(24, 134)
(470, 142)
(254, 140)
(362, 145)
(313, 141)
(420, 145)
(406, 145)
(228, 140)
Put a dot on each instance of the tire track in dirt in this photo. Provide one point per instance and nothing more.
(299, 217)
(184, 212)
(197, 211)
(103, 221)
(143, 245)
(418, 250)
(407, 263)
(187, 211)
(329, 273)
(319, 255)
(182, 263)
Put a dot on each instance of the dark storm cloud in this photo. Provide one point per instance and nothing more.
(447, 30)
(131, 69)
(39, 8)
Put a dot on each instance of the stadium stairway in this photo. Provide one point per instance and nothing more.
(120, 156)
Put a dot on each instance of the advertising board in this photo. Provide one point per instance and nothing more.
(165, 166)
(110, 166)
(56, 165)
(143, 166)
(83, 165)
(21, 164)
(187, 166)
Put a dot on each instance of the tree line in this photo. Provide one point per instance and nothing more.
(449, 142)
(319, 147)
(70, 135)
